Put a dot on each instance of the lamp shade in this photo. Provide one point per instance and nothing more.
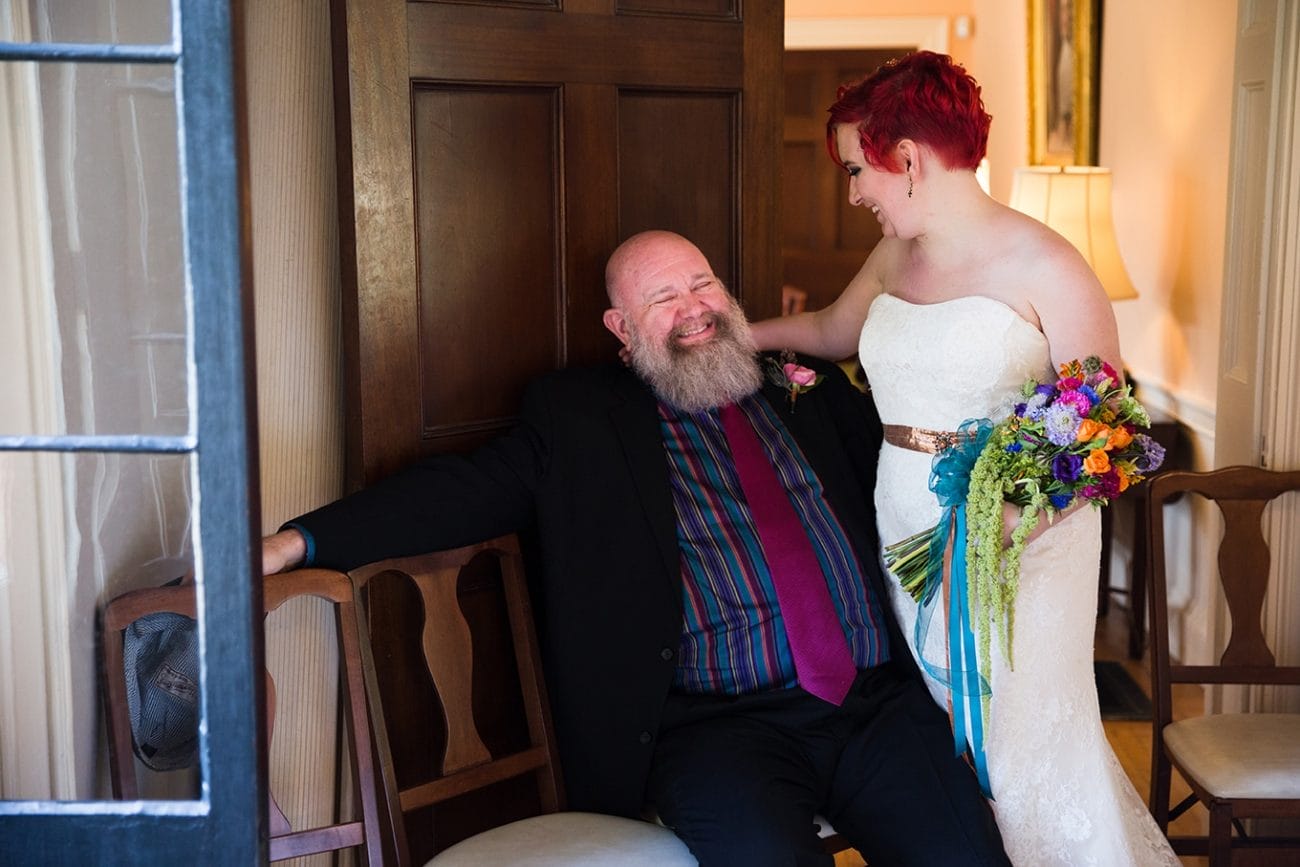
(1075, 201)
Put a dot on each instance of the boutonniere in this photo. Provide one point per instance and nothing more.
(786, 373)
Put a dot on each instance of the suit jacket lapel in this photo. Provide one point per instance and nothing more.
(635, 418)
(813, 428)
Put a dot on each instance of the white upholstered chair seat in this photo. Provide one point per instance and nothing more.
(1239, 755)
(573, 839)
(570, 839)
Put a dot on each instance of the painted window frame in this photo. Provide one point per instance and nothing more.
(226, 824)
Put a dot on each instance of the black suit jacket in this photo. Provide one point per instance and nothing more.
(586, 464)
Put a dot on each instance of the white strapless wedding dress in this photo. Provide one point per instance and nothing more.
(1060, 795)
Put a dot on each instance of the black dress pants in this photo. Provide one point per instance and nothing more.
(740, 778)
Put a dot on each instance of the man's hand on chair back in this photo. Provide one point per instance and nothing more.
(283, 551)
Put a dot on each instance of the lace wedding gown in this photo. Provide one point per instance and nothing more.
(1060, 795)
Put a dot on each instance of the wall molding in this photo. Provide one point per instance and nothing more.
(1196, 414)
(925, 32)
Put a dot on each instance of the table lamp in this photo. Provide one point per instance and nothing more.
(1075, 201)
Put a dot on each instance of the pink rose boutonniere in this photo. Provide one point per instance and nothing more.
(788, 374)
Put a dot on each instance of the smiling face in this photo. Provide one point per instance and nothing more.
(663, 290)
(688, 337)
(882, 191)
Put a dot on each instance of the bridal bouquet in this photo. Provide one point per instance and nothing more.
(1072, 440)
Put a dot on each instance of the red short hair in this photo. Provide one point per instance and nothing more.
(923, 96)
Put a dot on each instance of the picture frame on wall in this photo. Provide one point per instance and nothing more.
(1064, 84)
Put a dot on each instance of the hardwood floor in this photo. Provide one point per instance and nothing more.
(1130, 740)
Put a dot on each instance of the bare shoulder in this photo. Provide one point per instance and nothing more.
(1053, 277)
(1037, 244)
(877, 274)
(1047, 268)
(886, 259)
(885, 266)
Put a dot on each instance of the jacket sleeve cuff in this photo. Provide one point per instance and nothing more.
(310, 558)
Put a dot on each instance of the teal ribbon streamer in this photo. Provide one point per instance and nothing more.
(950, 482)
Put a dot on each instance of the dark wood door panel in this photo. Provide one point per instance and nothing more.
(591, 223)
(677, 170)
(804, 214)
(824, 238)
(455, 42)
(701, 8)
(487, 199)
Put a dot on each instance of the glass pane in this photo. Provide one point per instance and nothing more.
(118, 22)
(77, 530)
(93, 319)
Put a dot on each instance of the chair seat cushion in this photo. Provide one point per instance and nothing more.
(1239, 755)
(571, 840)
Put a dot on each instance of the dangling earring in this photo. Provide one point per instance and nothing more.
(909, 185)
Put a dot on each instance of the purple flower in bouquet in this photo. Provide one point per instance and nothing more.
(1037, 402)
(1150, 454)
(1066, 467)
(1060, 422)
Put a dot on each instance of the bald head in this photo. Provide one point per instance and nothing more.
(642, 256)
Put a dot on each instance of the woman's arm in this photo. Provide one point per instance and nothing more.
(1076, 318)
(1073, 310)
(832, 332)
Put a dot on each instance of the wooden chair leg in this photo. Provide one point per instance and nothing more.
(1220, 835)
(1160, 782)
(279, 822)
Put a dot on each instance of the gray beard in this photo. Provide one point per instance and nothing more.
(698, 378)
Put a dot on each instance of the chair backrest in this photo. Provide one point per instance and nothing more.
(1241, 494)
(793, 300)
(463, 708)
(331, 586)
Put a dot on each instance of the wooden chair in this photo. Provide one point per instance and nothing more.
(1237, 764)
(331, 586)
(793, 300)
(490, 748)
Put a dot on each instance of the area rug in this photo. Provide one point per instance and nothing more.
(1119, 695)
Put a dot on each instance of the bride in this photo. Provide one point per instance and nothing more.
(961, 302)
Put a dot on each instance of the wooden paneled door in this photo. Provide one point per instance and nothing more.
(492, 154)
(824, 239)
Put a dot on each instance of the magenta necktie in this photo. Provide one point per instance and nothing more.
(821, 654)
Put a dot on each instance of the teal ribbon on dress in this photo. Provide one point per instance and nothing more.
(950, 482)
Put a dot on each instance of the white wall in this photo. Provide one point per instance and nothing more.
(1164, 131)
(1166, 115)
(299, 383)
